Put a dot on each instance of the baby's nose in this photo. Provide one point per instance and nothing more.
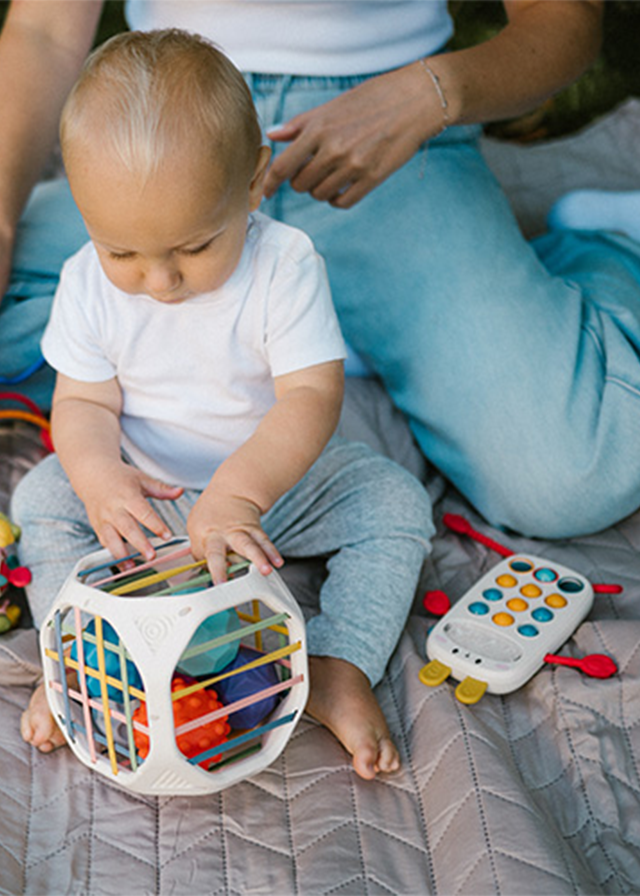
(161, 280)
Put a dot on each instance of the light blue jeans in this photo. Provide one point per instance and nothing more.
(516, 364)
(366, 515)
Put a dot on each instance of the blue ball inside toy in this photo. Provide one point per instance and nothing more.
(111, 662)
(245, 684)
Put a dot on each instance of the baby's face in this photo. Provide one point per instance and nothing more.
(177, 235)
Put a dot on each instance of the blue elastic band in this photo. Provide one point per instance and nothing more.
(21, 377)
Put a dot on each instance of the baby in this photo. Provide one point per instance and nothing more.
(199, 379)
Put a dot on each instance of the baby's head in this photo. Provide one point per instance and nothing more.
(164, 154)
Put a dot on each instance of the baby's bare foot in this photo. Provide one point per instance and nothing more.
(37, 725)
(342, 700)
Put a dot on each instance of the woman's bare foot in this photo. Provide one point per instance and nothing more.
(37, 725)
(342, 700)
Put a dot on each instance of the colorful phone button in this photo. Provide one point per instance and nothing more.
(503, 619)
(531, 590)
(542, 615)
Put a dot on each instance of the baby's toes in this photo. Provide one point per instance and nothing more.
(388, 756)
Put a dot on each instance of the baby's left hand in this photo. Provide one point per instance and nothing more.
(221, 523)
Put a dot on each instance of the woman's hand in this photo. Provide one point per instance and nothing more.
(340, 151)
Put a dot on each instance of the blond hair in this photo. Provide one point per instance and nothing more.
(145, 95)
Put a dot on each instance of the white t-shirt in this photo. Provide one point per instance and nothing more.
(306, 37)
(197, 377)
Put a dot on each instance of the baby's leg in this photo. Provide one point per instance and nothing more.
(372, 520)
(55, 534)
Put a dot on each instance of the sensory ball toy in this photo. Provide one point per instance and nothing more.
(189, 705)
(111, 663)
(116, 646)
(238, 687)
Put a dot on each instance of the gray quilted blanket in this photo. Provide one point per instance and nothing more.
(536, 792)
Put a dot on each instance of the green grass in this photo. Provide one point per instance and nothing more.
(614, 77)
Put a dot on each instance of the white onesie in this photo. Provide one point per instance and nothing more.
(197, 377)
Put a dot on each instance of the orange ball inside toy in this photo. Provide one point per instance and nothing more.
(186, 709)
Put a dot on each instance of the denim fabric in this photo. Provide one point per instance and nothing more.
(516, 364)
(50, 230)
(367, 516)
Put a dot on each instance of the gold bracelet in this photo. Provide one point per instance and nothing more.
(435, 80)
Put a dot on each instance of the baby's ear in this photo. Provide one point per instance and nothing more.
(259, 174)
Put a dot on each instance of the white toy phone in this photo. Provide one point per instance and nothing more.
(498, 634)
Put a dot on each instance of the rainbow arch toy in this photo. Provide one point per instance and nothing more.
(166, 684)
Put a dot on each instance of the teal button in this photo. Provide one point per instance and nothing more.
(478, 608)
(542, 615)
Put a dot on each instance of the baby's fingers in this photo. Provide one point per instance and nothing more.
(111, 539)
(125, 528)
(147, 517)
(258, 548)
(255, 547)
(215, 553)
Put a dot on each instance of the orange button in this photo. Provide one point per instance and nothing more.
(556, 600)
(517, 604)
(503, 619)
(531, 590)
(506, 581)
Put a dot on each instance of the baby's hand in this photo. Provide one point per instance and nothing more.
(219, 523)
(117, 509)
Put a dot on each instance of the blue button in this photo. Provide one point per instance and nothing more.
(545, 575)
(478, 608)
(529, 631)
(520, 565)
(571, 586)
(492, 594)
(542, 615)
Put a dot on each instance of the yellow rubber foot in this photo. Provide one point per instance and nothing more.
(434, 673)
(470, 690)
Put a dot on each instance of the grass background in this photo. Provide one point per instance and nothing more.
(614, 77)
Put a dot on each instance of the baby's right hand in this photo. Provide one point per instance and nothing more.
(117, 508)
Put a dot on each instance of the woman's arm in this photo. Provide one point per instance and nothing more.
(342, 150)
(544, 46)
(42, 48)
(287, 442)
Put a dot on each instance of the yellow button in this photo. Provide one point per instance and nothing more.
(517, 604)
(503, 619)
(531, 590)
(556, 600)
(506, 581)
